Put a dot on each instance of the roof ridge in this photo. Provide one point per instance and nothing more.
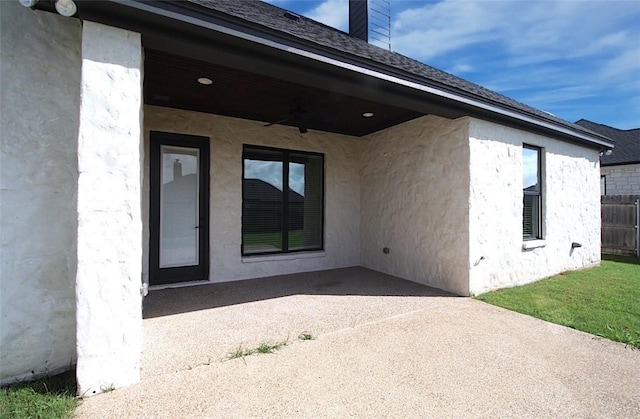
(627, 143)
(606, 126)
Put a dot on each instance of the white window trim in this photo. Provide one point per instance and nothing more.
(533, 244)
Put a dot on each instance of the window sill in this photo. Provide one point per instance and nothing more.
(287, 256)
(533, 244)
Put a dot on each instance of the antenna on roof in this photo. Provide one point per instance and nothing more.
(380, 23)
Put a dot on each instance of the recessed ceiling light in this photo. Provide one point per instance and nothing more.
(204, 80)
(367, 114)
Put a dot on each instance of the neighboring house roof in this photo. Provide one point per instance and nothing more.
(271, 16)
(627, 143)
(259, 190)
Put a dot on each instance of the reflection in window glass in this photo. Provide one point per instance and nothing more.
(530, 169)
(305, 202)
(179, 207)
(283, 201)
(531, 188)
(262, 206)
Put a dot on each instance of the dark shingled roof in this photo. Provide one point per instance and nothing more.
(273, 17)
(627, 143)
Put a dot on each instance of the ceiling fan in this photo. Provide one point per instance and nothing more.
(296, 117)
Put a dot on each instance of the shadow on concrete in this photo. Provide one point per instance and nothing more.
(346, 281)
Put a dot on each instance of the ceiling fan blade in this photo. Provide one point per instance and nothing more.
(297, 116)
(276, 122)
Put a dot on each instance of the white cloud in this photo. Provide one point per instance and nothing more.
(437, 28)
(530, 32)
(268, 171)
(555, 27)
(529, 168)
(554, 55)
(547, 99)
(460, 68)
(296, 177)
(606, 43)
(626, 63)
(334, 13)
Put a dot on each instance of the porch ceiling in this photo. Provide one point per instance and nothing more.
(171, 81)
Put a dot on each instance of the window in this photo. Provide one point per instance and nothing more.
(603, 185)
(282, 201)
(532, 193)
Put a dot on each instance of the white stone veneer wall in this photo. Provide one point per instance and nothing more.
(415, 186)
(40, 91)
(108, 282)
(342, 191)
(571, 196)
(622, 180)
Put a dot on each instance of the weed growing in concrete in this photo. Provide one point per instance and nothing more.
(306, 336)
(240, 352)
(107, 389)
(268, 348)
(263, 348)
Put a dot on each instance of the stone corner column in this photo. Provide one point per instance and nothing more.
(108, 281)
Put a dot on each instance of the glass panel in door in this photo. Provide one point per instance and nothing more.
(179, 206)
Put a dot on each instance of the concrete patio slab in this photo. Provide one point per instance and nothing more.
(190, 326)
(383, 347)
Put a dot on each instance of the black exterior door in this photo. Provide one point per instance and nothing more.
(179, 208)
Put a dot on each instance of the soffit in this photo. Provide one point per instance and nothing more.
(171, 81)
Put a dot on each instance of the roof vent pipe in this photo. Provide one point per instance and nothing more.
(359, 19)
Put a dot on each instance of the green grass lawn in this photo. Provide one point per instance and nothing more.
(47, 398)
(296, 239)
(604, 301)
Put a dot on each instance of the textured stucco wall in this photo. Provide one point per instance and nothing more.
(40, 90)
(109, 304)
(415, 186)
(622, 180)
(342, 191)
(571, 207)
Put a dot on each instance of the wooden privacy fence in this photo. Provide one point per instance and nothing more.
(620, 224)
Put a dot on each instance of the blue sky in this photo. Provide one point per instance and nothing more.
(574, 59)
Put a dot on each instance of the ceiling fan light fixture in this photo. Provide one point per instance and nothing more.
(205, 81)
(28, 3)
(66, 7)
(367, 114)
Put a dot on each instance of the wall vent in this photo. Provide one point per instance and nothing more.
(292, 16)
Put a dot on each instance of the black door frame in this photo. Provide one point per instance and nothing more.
(157, 275)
